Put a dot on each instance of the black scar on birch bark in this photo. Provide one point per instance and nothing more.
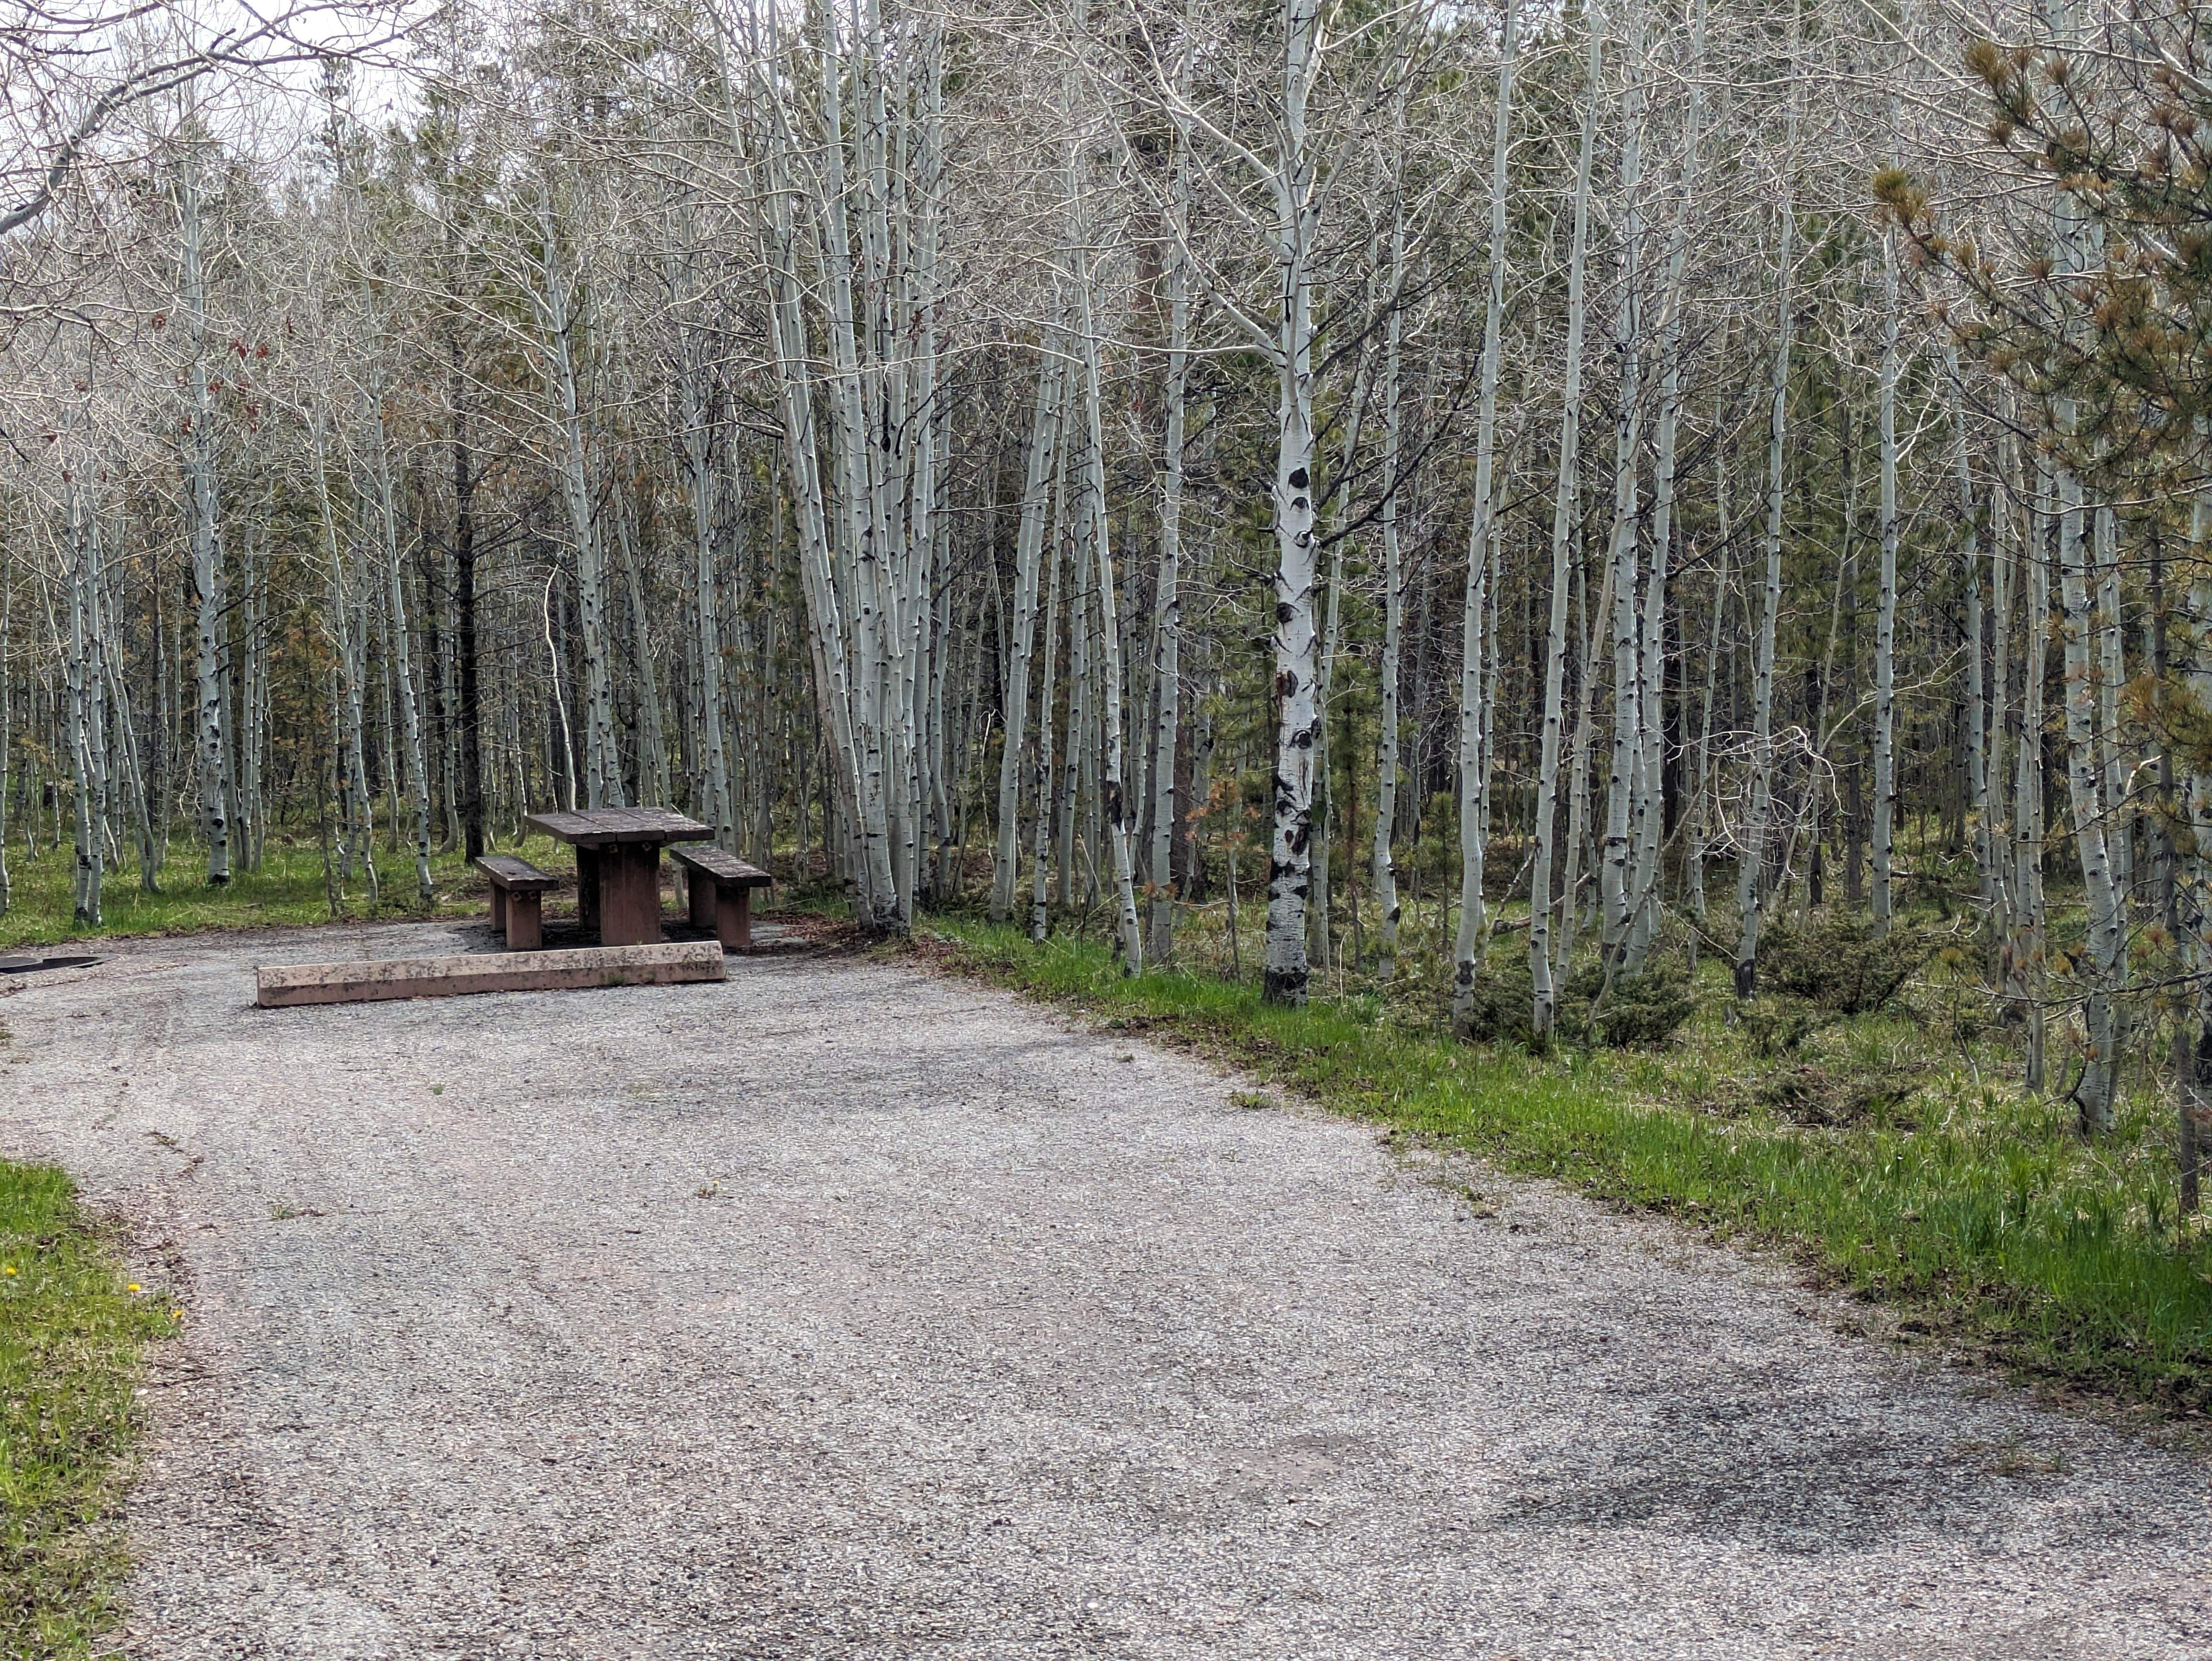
(1284, 614)
(1284, 985)
(1298, 478)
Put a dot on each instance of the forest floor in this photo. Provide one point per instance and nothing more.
(847, 1309)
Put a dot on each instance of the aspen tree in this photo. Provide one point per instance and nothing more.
(1564, 515)
(1384, 869)
(697, 437)
(1643, 889)
(1751, 866)
(1167, 601)
(1028, 547)
(1289, 867)
(1627, 753)
(203, 517)
(398, 652)
(1885, 642)
(1467, 948)
(1041, 841)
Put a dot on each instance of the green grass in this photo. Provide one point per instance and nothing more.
(289, 890)
(72, 1334)
(1969, 1207)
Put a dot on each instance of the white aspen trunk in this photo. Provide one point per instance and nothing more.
(2086, 799)
(1885, 624)
(1290, 870)
(1112, 802)
(2031, 926)
(2112, 676)
(134, 777)
(719, 809)
(1029, 549)
(357, 813)
(859, 471)
(1078, 686)
(1977, 707)
(1650, 796)
(1383, 875)
(1473, 819)
(1041, 790)
(1627, 755)
(554, 298)
(1578, 781)
(1564, 513)
(1320, 948)
(84, 684)
(252, 706)
(2193, 1052)
(203, 516)
(2002, 809)
(857, 802)
(653, 739)
(97, 761)
(1701, 805)
(397, 650)
(1751, 873)
(1167, 600)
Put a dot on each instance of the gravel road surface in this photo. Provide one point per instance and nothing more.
(846, 1311)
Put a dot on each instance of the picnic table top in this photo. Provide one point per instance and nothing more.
(600, 825)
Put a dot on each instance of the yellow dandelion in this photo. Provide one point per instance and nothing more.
(176, 1314)
(10, 1269)
(134, 1286)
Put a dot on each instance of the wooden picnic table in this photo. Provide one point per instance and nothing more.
(618, 865)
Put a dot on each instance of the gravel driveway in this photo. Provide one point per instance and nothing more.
(845, 1310)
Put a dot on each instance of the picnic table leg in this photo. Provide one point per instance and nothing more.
(587, 888)
(526, 930)
(498, 908)
(733, 918)
(703, 888)
(629, 894)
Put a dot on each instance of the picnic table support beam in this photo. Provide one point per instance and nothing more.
(725, 908)
(629, 894)
(587, 888)
(524, 921)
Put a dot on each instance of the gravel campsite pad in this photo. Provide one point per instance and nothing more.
(844, 1309)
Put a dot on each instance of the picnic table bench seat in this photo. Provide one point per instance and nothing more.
(517, 908)
(721, 891)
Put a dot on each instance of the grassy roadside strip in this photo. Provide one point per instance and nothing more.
(2014, 1249)
(72, 1335)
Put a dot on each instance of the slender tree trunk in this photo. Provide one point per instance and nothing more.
(1885, 637)
(464, 600)
(203, 513)
(1627, 749)
(1290, 869)
(1474, 714)
(1041, 835)
(1751, 873)
(1650, 796)
(1564, 513)
(1029, 549)
(2085, 796)
(1167, 600)
(398, 650)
